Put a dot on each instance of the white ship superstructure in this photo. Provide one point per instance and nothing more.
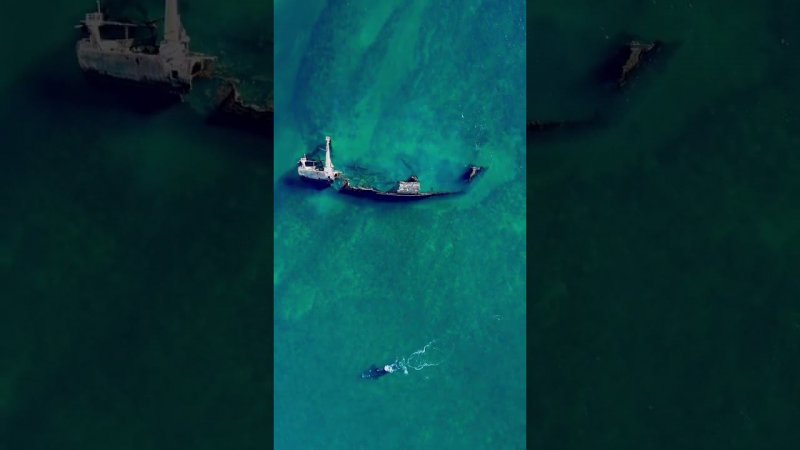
(314, 170)
(170, 63)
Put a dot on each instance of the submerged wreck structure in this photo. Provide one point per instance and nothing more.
(318, 172)
(111, 51)
(472, 173)
(613, 74)
(233, 111)
(323, 174)
(627, 60)
(408, 190)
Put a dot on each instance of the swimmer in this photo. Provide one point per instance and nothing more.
(377, 372)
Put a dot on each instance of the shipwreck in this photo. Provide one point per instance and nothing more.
(318, 172)
(628, 59)
(113, 51)
(408, 190)
(612, 75)
(323, 174)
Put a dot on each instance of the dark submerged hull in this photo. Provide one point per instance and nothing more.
(471, 173)
(393, 197)
(626, 61)
(317, 184)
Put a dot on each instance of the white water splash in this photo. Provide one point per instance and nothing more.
(418, 360)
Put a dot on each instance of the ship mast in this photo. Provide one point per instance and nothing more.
(175, 42)
(328, 162)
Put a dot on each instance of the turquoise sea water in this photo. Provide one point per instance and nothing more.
(422, 87)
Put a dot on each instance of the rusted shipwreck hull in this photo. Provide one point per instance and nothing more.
(407, 191)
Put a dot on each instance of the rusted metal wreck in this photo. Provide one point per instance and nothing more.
(408, 190)
(322, 174)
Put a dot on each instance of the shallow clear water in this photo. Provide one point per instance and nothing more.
(422, 88)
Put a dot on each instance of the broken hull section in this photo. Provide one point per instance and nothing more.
(134, 68)
(391, 197)
(232, 112)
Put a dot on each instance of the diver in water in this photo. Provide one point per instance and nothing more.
(377, 372)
